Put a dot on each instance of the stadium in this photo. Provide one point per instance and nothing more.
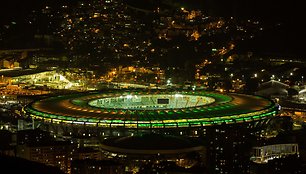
(122, 113)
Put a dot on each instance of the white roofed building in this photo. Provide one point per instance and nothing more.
(273, 89)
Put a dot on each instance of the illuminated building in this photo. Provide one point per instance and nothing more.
(187, 112)
(87, 153)
(31, 136)
(56, 153)
(265, 153)
(51, 79)
(277, 158)
(224, 121)
(39, 146)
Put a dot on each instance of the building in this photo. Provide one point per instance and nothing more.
(137, 152)
(121, 113)
(285, 165)
(265, 153)
(224, 121)
(83, 153)
(90, 166)
(228, 148)
(53, 153)
(39, 146)
(273, 89)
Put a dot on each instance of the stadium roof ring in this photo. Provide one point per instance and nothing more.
(149, 110)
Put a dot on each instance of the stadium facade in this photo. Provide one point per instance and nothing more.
(225, 122)
(131, 112)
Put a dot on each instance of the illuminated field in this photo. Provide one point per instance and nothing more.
(152, 102)
(144, 110)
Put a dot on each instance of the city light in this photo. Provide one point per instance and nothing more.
(117, 86)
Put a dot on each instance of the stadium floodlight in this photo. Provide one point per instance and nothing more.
(178, 95)
(129, 96)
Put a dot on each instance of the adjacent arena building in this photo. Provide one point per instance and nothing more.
(122, 113)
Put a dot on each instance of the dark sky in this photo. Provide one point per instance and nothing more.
(264, 9)
(11, 10)
(14, 10)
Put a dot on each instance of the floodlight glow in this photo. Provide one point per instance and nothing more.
(129, 96)
(178, 95)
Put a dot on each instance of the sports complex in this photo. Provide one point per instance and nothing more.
(129, 111)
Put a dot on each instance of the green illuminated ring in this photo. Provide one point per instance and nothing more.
(227, 108)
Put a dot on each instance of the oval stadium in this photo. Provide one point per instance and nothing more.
(129, 112)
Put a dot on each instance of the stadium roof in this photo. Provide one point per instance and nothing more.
(227, 108)
(151, 144)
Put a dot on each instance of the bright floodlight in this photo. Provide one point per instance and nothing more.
(178, 95)
(129, 96)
